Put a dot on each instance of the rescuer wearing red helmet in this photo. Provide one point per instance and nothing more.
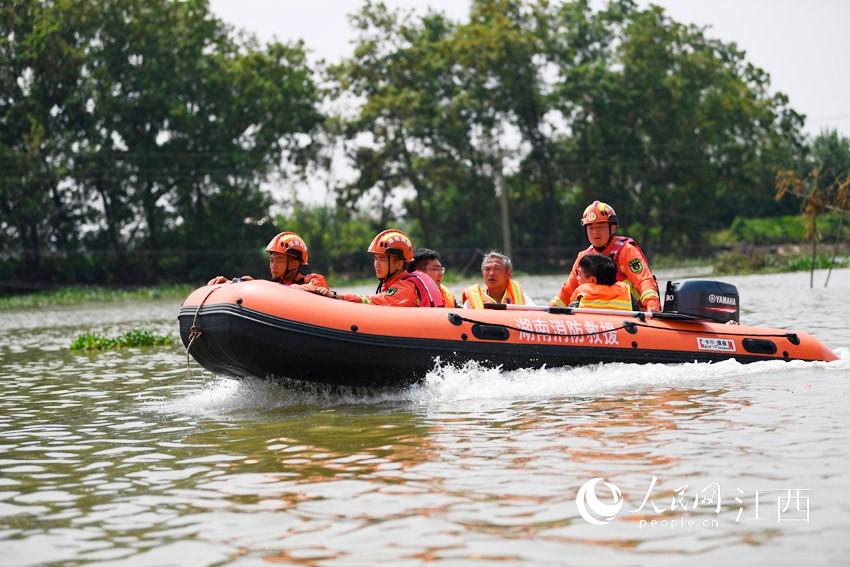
(392, 250)
(600, 223)
(287, 253)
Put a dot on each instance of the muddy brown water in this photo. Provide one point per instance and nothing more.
(123, 458)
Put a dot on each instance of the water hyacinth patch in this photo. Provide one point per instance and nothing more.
(135, 338)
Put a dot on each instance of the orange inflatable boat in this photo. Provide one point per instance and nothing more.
(263, 329)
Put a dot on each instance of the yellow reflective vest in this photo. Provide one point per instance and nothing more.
(448, 296)
(475, 295)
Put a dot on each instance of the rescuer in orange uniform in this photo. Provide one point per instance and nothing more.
(598, 287)
(287, 253)
(600, 223)
(397, 287)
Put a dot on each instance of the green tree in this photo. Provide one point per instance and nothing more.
(677, 130)
(151, 125)
(550, 106)
(41, 64)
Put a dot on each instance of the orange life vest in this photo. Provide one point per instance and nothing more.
(598, 296)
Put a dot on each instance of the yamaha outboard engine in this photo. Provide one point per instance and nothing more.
(705, 299)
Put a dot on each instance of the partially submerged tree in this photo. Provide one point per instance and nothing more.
(825, 188)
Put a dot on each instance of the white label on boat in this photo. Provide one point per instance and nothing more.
(725, 345)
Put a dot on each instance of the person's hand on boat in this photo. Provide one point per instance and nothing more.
(223, 280)
(318, 290)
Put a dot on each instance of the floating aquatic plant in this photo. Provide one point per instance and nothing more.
(135, 338)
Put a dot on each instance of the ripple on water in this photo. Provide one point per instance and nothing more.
(121, 457)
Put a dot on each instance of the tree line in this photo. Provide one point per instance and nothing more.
(137, 137)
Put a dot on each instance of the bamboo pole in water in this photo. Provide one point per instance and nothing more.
(834, 249)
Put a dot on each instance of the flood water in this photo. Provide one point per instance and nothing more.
(123, 458)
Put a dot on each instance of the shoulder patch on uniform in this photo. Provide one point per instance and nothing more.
(635, 265)
(391, 291)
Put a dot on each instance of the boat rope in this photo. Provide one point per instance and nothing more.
(456, 319)
(792, 337)
(195, 331)
(628, 327)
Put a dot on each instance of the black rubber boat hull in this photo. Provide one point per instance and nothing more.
(240, 342)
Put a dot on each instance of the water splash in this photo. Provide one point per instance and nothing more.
(446, 383)
(473, 381)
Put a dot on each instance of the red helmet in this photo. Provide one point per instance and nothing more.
(392, 241)
(289, 243)
(598, 211)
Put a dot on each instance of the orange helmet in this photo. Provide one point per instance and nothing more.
(598, 211)
(393, 241)
(289, 243)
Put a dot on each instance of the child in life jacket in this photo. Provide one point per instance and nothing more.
(598, 286)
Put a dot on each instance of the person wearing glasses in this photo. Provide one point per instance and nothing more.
(429, 261)
(498, 286)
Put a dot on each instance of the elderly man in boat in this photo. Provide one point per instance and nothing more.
(498, 286)
(392, 250)
(287, 253)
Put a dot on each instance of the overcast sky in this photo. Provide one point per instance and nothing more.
(802, 44)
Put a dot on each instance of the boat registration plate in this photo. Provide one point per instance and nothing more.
(713, 343)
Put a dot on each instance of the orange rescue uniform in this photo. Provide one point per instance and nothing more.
(317, 280)
(396, 292)
(632, 268)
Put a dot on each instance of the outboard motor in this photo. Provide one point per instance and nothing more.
(705, 299)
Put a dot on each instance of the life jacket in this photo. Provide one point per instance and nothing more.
(613, 250)
(598, 296)
(448, 296)
(475, 295)
(429, 294)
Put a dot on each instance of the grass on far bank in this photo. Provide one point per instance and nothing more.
(83, 294)
(748, 262)
(742, 260)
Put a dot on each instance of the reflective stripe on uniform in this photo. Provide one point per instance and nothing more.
(475, 295)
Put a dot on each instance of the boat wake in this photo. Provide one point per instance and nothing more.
(446, 384)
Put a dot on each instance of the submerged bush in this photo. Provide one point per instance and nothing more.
(135, 338)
